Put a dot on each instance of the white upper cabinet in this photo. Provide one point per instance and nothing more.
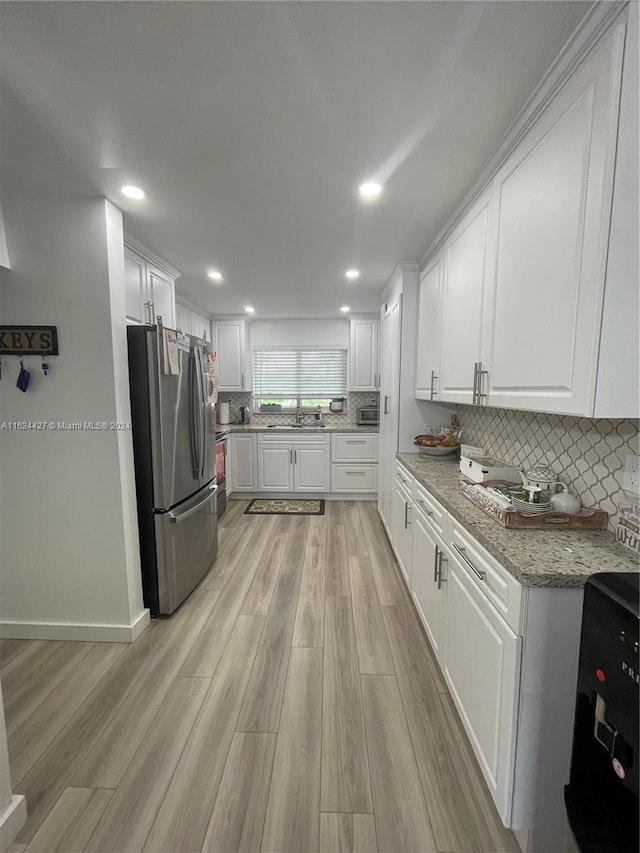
(363, 355)
(468, 274)
(200, 326)
(149, 287)
(540, 296)
(229, 340)
(553, 205)
(429, 339)
(183, 318)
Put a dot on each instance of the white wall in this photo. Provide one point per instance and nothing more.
(69, 559)
(329, 332)
(4, 253)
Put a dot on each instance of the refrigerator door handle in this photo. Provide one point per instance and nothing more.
(193, 421)
(176, 518)
(204, 413)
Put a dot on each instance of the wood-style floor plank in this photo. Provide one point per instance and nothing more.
(52, 773)
(107, 762)
(263, 699)
(9, 648)
(337, 571)
(237, 821)
(402, 819)
(71, 822)
(32, 738)
(297, 528)
(21, 665)
(258, 598)
(347, 833)
(235, 551)
(354, 537)
(371, 639)
(309, 625)
(208, 648)
(181, 823)
(293, 811)
(386, 574)
(20, 704)
(126, 822)
(346, 786)
(410, 648)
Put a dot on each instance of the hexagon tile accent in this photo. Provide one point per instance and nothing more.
(586, 454)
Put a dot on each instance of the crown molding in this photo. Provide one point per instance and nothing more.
(592, 27)
(132, 242)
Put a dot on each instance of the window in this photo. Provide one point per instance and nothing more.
(291, 377)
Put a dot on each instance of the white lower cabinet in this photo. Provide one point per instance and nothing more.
(508, 654)
(401, 511)
(482, 669)
(354, 463)
(429, 578)
(300, 465)
(243, 467)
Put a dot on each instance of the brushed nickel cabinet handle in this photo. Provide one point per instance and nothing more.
(431, 389)
(441, 579)
(427, 511)
(435, 563)
(481, 575)
(407, 510)
(386, 404)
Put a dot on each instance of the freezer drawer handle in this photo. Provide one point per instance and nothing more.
(477, 572)
(183, 516)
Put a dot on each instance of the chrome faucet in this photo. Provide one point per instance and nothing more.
(299, 414)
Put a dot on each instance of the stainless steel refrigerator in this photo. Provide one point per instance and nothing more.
(174, 432)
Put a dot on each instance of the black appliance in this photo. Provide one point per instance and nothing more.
(602, 794)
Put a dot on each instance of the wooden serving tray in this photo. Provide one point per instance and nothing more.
(586, 519)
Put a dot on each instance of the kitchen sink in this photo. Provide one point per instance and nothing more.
(296, 426)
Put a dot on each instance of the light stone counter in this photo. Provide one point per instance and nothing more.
(533, 557)
(349, 427)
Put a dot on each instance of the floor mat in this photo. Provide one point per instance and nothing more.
(268, 506)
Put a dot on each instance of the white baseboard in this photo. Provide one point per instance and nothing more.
(75, 631)
(12, 820)
(298, 496)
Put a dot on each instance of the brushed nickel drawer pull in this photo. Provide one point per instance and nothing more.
(427, 511)
(435, 563)
(481, 575)
(355, 441)
(359, 473)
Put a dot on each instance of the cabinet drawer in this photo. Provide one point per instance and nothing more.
(347, 477)
(293, 437)
(435, 515)
(352, 447)
(403, 476)
(496, 584)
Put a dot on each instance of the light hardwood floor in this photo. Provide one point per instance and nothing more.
(291, 704)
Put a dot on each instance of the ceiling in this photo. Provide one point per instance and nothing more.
(251, 124)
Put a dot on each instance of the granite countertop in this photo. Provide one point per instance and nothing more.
(349, 427)
(533, 557)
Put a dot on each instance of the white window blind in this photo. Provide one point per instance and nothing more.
(299, 373)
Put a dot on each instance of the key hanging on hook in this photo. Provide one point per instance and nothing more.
(45, 365)
(24, 377)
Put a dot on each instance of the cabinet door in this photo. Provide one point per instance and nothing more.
(428, 349)
(183, 318)
(389, 393)
(161, 291)
(401, 508)
(312, 468)
(468, 271)
(554, 196)
(200, 326)
(483, 672)
(243, 463)
(426, 564)
(229, 343)
(275, 468)
(363, 355)
(135, 287)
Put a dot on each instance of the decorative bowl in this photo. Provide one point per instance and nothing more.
(437, 451)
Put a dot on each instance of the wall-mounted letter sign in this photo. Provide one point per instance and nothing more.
(28, 340)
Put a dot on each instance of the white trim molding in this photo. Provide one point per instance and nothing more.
(12, 819)
(75, 631)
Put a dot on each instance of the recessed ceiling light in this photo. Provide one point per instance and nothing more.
(133, 192)
(352, 273)
(370, 189)
(249, 309)
(345, 308)
(216, 275)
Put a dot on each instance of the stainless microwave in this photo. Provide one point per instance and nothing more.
(368, 416)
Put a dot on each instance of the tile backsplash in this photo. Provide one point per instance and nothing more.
(353, 401)
(586, 454)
